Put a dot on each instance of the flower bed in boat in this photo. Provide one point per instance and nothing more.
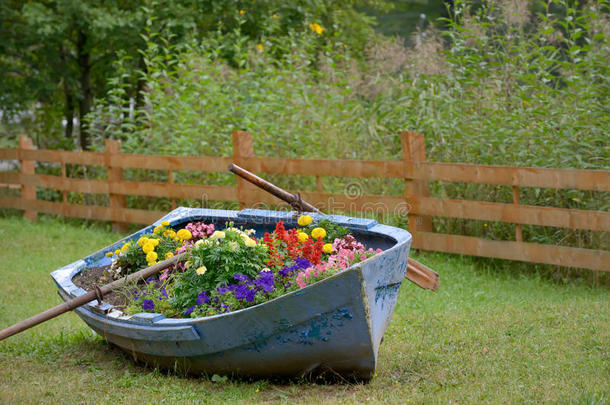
(229, 269)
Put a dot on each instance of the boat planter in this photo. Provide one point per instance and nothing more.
(335, 325)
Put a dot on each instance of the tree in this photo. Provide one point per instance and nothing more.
(61, 52)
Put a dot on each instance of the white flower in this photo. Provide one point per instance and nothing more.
(218, 235)
(249, 242)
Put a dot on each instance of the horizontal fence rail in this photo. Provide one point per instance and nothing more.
(416, 201)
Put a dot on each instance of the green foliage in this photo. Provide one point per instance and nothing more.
(213, 262)
(146, 251)
(130, 260)
(154, 291)
(333, 230)
(57, 56)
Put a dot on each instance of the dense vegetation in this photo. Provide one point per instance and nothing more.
(508, 82)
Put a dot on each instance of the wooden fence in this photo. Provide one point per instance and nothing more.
(413, 168)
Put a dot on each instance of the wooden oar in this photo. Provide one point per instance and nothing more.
(418, 273)
(96, 294)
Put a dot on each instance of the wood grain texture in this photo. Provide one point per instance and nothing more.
(129, 215)
(28, 167)
(522, 251)
(243, 148)
(513, 213)
(414, 151)
(115, 174)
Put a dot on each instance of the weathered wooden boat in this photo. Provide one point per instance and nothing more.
(333, 326)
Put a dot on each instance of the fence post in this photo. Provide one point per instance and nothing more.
(115, 174)
(28, 168)
(413, 151)
(242, 148)
(518, 230)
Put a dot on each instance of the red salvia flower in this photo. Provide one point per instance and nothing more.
(280, 232)
(316, 256)
(308, 250)
(275, 257)
(293, 244)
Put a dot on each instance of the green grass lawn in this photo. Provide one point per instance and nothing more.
(486, 336)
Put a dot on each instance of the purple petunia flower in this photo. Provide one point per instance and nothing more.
(300, 264)
(241, 277)
(243, 291)
(226, 307)
(202, 298)
(148, 305)
(190, 310)
(222, 290)
(265, 281)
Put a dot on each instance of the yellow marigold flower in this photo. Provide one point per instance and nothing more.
(117, 252)
(233, 245)
(318, 233)
(169, 255)
(142, 241)
(165, 223)
(317, 28)
(151, 257)
(184, 234)
(327, 248)
(158, 229)
(109, 254)
(302, 236)
(242, 12)
(274, 16)
(305, 220)
(125, 246)
(260, 47)
(149, 247)
(218, 235)
(201, 270)
(155, 242)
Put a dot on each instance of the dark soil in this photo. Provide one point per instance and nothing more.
(90, 277)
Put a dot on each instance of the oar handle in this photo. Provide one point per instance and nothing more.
(85, 298)
(293, 199)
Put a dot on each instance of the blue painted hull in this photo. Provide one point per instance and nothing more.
(334, 326)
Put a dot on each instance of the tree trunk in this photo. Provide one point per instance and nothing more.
(84, 105)
(69, 113)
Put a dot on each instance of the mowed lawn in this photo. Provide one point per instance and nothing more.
(486, 336)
